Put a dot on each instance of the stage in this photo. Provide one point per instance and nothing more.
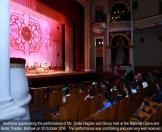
(60, 77)
(46, 74)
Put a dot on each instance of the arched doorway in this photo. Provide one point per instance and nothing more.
(120, 50)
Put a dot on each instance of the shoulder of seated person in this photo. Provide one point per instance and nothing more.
(68, 95)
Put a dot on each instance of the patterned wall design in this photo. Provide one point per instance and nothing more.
(34, 36)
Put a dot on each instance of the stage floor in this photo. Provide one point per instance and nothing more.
(46, 73)
(54, 74)
(59, 77)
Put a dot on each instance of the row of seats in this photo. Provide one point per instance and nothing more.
(40, 94)
(151, 112)
(76, 108)
(50, 98)
(122, 109)
(77, 111)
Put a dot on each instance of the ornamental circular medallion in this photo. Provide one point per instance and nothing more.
(26, 33)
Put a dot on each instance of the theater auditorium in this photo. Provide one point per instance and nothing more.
(81, 60)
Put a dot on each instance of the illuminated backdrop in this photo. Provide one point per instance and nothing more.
(34, 36)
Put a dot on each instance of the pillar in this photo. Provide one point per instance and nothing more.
(8, 110)
(89, 58)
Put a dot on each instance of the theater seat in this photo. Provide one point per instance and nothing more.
(102, 116)
(83, 109)
(53, 100)
(150, 110)
(143, 116)
(154, 104)
(133, 119)
(66, 112)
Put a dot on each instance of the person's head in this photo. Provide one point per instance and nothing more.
(136, 77)
(66, 89)
(94, 83)
(107, 95)
(81, 87)
(106, 101)
(139, 74)
(92, 91)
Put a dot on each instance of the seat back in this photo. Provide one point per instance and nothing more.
(113, 112)
(83, 109)
(54, 99)
(123, 110)
(102, 116)
(68, 112)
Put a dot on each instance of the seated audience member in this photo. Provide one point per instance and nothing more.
(126, 92)
(94, 84)
(66, 90)
(151, 77)
(125, 89)
(140, 78)
(81, 87)
(108, 85)
(144, 84)
(135, 85)
(121, 93)
(103, 85)
(116, 84)
(91, 91)
(106, 103)
(129, 87)
(134, 90)
(130, 76)
(157, 96)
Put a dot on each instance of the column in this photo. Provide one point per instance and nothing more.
(86, 37)
(88, 50)
(108, 49)
(131, 48)
(7, 108)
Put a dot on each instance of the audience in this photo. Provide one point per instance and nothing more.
(119, 87)
(156, 97)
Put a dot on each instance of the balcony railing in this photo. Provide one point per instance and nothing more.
(148, 22)
(119, 26)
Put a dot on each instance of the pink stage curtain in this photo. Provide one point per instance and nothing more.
(32, 4)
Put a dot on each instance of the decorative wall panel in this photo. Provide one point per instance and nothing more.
(35, 37)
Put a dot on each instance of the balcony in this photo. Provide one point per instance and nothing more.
(148, 22)
(119, 26)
